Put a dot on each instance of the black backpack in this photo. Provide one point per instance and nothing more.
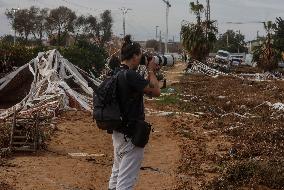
(106, 110)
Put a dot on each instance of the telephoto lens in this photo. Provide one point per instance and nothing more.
(161, 60)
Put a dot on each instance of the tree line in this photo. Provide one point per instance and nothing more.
(60, 23)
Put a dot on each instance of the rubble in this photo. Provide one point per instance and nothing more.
(51, 82)
(201, 68)
(241, 122)
(260, 76)
(214, 70)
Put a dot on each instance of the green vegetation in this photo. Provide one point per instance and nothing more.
(268, 54)
(168, 100)
(232, 42)
(88, 56)
(199, 38)
(80, 39)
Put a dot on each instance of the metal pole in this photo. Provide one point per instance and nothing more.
(167, 23)
(167, 28)
(160, 41)
(239, 40)
(157, 32)
(208, 11)
(123, 25)
(124, 12)
(15, 11)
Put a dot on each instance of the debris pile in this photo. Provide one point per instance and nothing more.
(261, 76)
(214, 69)
(50, 83)
(237, 140)
(200, 68)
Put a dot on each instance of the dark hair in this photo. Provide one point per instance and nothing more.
(129, 48)
(114, 62)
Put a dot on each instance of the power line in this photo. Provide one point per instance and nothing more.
(78, 5)
(250, 22)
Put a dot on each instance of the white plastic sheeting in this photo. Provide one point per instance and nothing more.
(51, 90)
(197, 67)
(261, 76)
(201, 68)
(5, 80)
(277, 106)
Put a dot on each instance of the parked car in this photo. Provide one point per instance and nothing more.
(223, 57)
(178, 57)
(237, 59)
(281, 64)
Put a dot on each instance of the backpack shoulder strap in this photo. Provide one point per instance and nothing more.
(124, 76)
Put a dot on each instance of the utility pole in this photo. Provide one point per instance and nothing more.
(167, 23)
(160, 42)
(124, 12)
(208, 17)
(227, 39)
(15, 11)
(157, 32)
(208, 11)
(239, 35)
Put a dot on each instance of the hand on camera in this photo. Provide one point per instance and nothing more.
(152, 66)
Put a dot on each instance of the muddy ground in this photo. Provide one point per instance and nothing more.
(236, 139)
(209, 133)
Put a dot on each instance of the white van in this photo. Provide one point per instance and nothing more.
(223, 57)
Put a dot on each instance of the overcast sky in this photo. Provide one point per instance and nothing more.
(146, 14)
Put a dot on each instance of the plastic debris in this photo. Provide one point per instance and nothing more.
(56, 85)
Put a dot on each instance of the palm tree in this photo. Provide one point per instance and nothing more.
(279, 34)
(199, 38)
(266, 55)
(197, 9)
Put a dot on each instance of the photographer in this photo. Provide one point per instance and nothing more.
(131, 88)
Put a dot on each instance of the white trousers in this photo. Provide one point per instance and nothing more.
(127, 162)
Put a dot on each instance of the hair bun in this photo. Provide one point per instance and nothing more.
(127, 39)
